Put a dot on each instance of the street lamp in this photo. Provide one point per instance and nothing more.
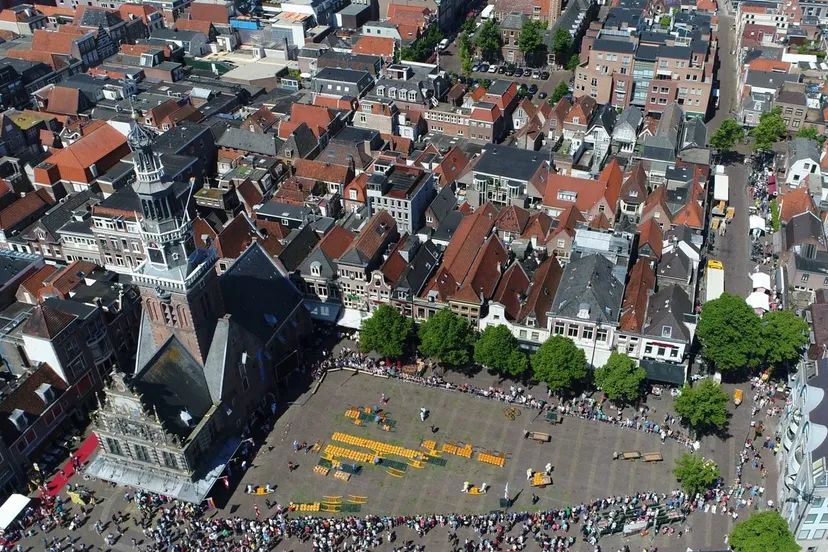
(595, 341)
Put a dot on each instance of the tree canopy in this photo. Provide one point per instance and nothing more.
(499, 350)
(465, 50)
(560, 91)
(559, 363)
(762, 532)
(783, 336)
(488, 39)
(620, 378)
(386, 332)
(423, 48)
(771, 129)
(561, 43)
(530, 39)
(573, 63)
(695, 474)
(703, 407)
(730, 333)
(446, 336)
(810, 132)
(727, 135)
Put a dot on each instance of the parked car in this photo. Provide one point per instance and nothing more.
(533, 89)
(523, 87)
(501, 70)
(484, 67)
(493, 69)
(545, 75)
(535, 74)
(510, 71)
(475, 67)
(518, 72)
(542, 95)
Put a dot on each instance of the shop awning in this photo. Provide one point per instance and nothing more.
(761, 280)
(665, 372)
(757, 223)
(352, 318)
(322, 311)
(11, 509)
(758, 300)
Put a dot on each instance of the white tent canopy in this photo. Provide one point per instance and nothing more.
(758, 300)
(758, 223)
(11, 509)
(761, 280)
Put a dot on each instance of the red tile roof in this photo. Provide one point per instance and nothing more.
(692, 214)
(24, 208)
(650, 234)
(63, 100)
(336, 242)
(395, 264)
(636, 296)
(372, 237)
(24, 397)
(453, 163)
(47, 322)
(91, 148)
(511, 289)
(322, 172)
(64, 281)
(795, 202)
(34, 283)
(215, 13)
(467, 240)
(55, 42)
(542, 291)
(588, 192)
(538, 227)
(481, 281)
(512, 219)
(194, 25)
(375, 46)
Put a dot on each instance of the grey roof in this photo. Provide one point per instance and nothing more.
(669, 125)
(341, 75)
(498, 87)
(613, 45)
(674, 52)
(169, 34)
(630, 116)
(276, 209)
(416, 273)
(769, 79)
(344, 56)
(695, 134)
(803, 227)
(514, 20)
(298, 249)
(652, 37)
(258, 294)
(794, 97)
(675, 265)
(173, 381)
(588, 284)
(326, 266)
(303, 139)
(646, 52)
(244, 140)
(98, 17)
(513, 163)
(803, 149)
(667, 307)
(448, 226)
(179, 137)
(124, 199)
(442, 204)
(604, 117)
(657, 148)
(819, 264)
(758, 101)
(61, 213)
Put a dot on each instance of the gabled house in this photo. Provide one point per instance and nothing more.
(633, 193)
(625, 132)
(600, 131)
(668, 331)
(640, 286)
(590, 197)
(802, 168)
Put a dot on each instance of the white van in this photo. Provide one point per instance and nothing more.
(443, 44)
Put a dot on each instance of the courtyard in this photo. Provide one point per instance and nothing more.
(580, 452)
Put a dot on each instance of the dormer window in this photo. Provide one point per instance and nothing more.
(576, 120)
(316, 268)
(380, 91)
(666, 331)
(19, 419)
(47, 393)
(564, 195)
(633, 193)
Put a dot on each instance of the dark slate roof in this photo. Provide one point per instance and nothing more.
(631, 115)
(819, 264)
(667, 308)
(179, 136)
(341, 75)
(658, 152)
(675, 264)
(173, 381)
(244, 140)
(327, 268)
(605, 117)
(514, 163)
(416, 273)
(442, 204)
(258, 294)
(61, 213)
(803, 227)
(803, 149)
(96, 18)
(588, 283)
(123, 199)
(769, 79)
(448, 226)
(695, 134)
(298, 249)
(613, 45)
(674, 52)
(653, 37)
(646, 52)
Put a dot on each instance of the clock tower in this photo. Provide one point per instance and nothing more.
(179, 287)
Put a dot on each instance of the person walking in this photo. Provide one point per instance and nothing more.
(528, 474)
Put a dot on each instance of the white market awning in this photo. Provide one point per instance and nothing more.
(12, 508)
(761, 280)
(352, 318)
(758, 223)
(758, 300)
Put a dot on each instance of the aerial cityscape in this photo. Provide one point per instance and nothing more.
(414, 275)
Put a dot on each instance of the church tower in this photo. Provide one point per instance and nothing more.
(179, 287)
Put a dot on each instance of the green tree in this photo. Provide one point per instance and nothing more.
(573, 63)
(446, 336)
(560, 91)
(695, 474)
(763, 532)
(727, 135)
(423, 47)
(496, 348)
(771, 129)
(561, 43)
(730, 332)
(468, 26)
(559, 363)
(488, 39)
(530, 39)
(774, 209)
(620, 378)
(386, 332)
(703, 407)
(810, 132)
(783, 336)
(464, 51)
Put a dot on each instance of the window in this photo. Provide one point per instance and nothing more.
(141, 453)
(817, 503)
(805, 277)
(648, 349)
(535, 336)
(572, 331)
(673, 352)
(169, 460)
(661, 351)
(114, 446)
(811, 518)
(804, 534)
(819, 534)
(666, 331)
(601, 335)
(523, 334)
(561, 244)
(559, 328)
(587, 333)
(353, 194)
